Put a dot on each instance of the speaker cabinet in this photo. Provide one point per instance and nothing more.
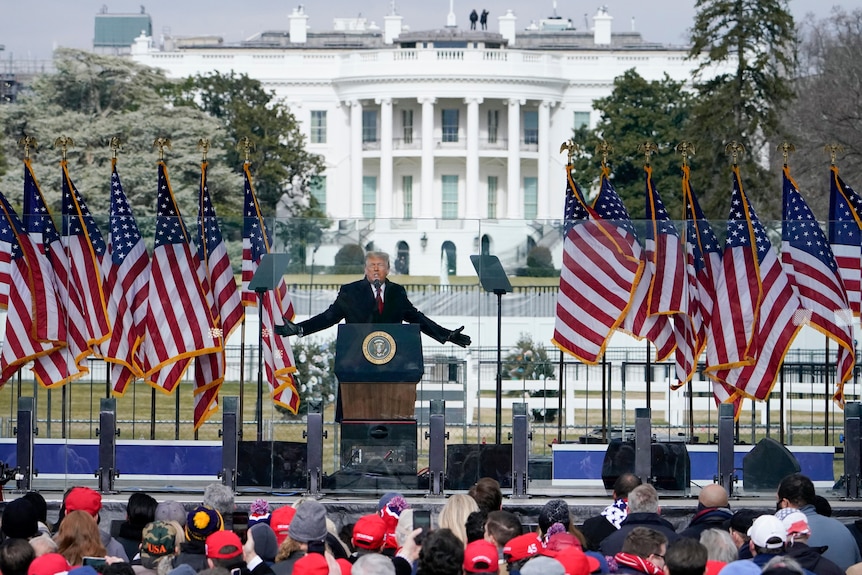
(384, 448)
(669, 462)
(467, 463)
(276, 464)
(766, 465)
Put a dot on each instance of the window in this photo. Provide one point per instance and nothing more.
(317, 187)
(450, 197)
(407, 125)
(531, 198)
(531, 127)
(369, 196)
(369, 126)
(407, 191)
(493, 125)
(492, 197)
(450, 125)
(318, 126)
(582, 120)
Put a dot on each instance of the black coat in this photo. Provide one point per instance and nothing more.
(613, 544)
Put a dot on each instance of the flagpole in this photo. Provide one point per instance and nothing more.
(560, 400)
(241, 371)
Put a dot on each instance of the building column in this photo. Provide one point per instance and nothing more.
(514, 202)
(472, 168)
(544, 161)
(426, 201)
(356, 159)
(386, 197)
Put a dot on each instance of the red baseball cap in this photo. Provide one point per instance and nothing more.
(48, 564)
(369, 532)
(221, 539)
(346, 566)
(576, 562)
(521, 547)
(280, 520)
(480, 556)
(311, 564)
(83, 499)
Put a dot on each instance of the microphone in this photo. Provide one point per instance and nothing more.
(377, 284)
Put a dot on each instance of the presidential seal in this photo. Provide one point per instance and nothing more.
(378, 347)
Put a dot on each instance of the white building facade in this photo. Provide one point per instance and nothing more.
(439, 142)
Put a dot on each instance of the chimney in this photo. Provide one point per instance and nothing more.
(507, 26)
(298, 25)
(391, 27)
(602, 27)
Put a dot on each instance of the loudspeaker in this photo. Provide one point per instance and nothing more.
(276, 464)
(384, 448)
(669, 462)
(467, 463)
(766, 465)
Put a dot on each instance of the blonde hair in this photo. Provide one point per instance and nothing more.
(454, 515)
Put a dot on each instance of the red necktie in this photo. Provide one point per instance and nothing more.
(379, 302)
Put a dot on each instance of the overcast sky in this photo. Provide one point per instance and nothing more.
(31, 29)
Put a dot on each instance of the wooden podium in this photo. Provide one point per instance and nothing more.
(378, 366)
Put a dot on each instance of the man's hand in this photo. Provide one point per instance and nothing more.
(458, 338)
(289, 328)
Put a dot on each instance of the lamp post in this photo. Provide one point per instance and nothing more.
(311, 276)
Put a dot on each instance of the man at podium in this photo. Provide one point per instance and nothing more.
(373, 299)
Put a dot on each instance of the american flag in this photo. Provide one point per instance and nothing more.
(127, 272)
(777, 313)
(224, 298)
(65, 364)
(16, 248)
(85, 248)
(179, 324)
(277, 355)
(811, 268)
(599, 272)
(845, 236)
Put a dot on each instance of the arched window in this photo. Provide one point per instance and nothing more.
(402, 258)
(448, 252)
(486, 245)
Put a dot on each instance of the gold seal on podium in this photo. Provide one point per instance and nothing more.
(378, 347)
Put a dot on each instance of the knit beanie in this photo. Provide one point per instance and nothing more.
(170, 510)
(309, 523)
(265, 544)
(203, 521)
(258, 512)
(19, 520)
(554, 511)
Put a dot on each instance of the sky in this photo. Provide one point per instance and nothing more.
(30, 30)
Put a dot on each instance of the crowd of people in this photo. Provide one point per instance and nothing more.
(471, 534)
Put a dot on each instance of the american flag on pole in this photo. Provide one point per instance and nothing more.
(777, 313)
(811, 268)
(16, 248)
(85, 248)
(65, 364)
(598, 276)
(179, 324)
(224, 298)
(277, 355)
(845, 236)
(127, 272)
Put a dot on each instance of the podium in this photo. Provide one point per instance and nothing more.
(378, 366)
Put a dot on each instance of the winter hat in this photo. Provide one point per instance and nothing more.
(554, 511)
(171, 510)
(48, 564)
(543, 565)
(19, 520)
(311, 563)
(203, 521)
(158, 539)
(280, 520)
(390, 513)
(387, 497)
(796, 525)
(83, 499)
(218, 541)
(480, 556)
(258, 512)
(741, 521)
(740, 567)
(369, 532)
(768, 532)
(265, 543)
(521, 547)
(576, 562)
(309, 523)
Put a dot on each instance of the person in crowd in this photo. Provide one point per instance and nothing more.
(390, 507)
(483, 19)
(224, 549)
(822, 506)
(554, 511)
(712, 511)
(542, 565)
(520, 549)
(258, 512)
(406, 558)
(642, 552)
(766, 539)
(20, 520)
(160, 542)
(41, 506)
(720, 547)
(16, 555)
(79, 537)
(201, 522)
(481, 556)
(373, 564)
(644, 511)
(140, 510)
(279, 520)
(784, 565)
(220, 497)
(474, 526)
(307, 532)
(369, 534)
(796, 546)
(796, 491)
(48, 564)
(474, 17)
(263, 541)
(686, 556)
(43, 544)
(501, 527)
(487, 493)
(442, 552)
(170, 510)
(738, 526)
(596, 528)
(454, 515)
(90, 501)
